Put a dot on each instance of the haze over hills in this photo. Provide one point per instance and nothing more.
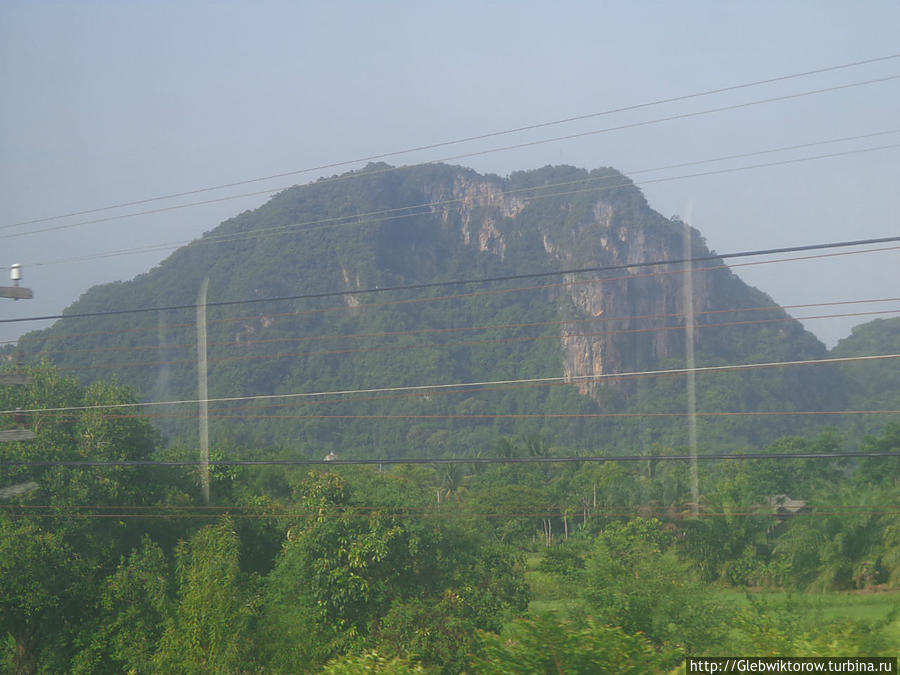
(384, 227)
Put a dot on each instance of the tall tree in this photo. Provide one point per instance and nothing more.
(546, 645)
(209, 631)
(53, 553)
(355, 557)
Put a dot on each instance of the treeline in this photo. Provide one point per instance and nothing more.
(419, 568)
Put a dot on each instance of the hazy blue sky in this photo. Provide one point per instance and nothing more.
(105, 102)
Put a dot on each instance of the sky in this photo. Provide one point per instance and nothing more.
(111, 102)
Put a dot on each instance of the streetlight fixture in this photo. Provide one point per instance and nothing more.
(15, 292)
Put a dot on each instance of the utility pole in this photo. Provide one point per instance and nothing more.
(16, 292)
(203, 389)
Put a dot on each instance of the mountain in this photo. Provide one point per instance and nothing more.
(872, 385)
(383, 227)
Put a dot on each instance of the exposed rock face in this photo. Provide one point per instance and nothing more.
(615, 313)
(478, 204)
(610, 317)
(351, 300)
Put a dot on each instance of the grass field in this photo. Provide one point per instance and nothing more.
(880, 611)
(828, 606)
(812, 611)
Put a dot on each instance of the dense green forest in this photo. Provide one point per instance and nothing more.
(576, 567)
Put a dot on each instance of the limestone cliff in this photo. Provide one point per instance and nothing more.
(629, 319)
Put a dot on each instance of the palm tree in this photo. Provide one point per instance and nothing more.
(451, 477)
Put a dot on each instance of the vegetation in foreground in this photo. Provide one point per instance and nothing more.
(430, 569)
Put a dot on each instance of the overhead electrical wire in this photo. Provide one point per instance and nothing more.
(389, 512)
(388, 509)
(462, 329)
(465, 343)
(681, 116)
(620, 377)
(465, 282)
(274, 508)
(447, 460)
(430, 299)
(480, 153)
(497, 416)
(268, 403)
(382, 215)
(468, 139)
(368, 306)
(617, 415)
(463, 385)
(679, 512)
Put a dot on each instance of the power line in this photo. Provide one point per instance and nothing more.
(464, 385)
(389, 511)
(480, 153)
(396, 213)
(360, 509)
(467, 329)
(464, 282)
(626, 376)
(501, 386)
(458, 141)
(688, 115)
(513, 290)
(465, 343)
(446, 460)
(495, 416)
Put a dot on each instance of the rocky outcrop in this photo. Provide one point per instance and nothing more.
(631, 317)
(351, 300)
(615, 322)
(477, 204)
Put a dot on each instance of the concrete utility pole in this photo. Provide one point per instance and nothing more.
(203, 389)
(16, 292)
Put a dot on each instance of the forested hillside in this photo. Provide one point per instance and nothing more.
(383, 227)
(873, 385)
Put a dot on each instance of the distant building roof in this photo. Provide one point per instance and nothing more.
(783, 504)
(18, 490)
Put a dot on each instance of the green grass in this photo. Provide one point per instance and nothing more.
(826, 606)
(814, 611)
(817, 609)
(869, 622)
(549, 593)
